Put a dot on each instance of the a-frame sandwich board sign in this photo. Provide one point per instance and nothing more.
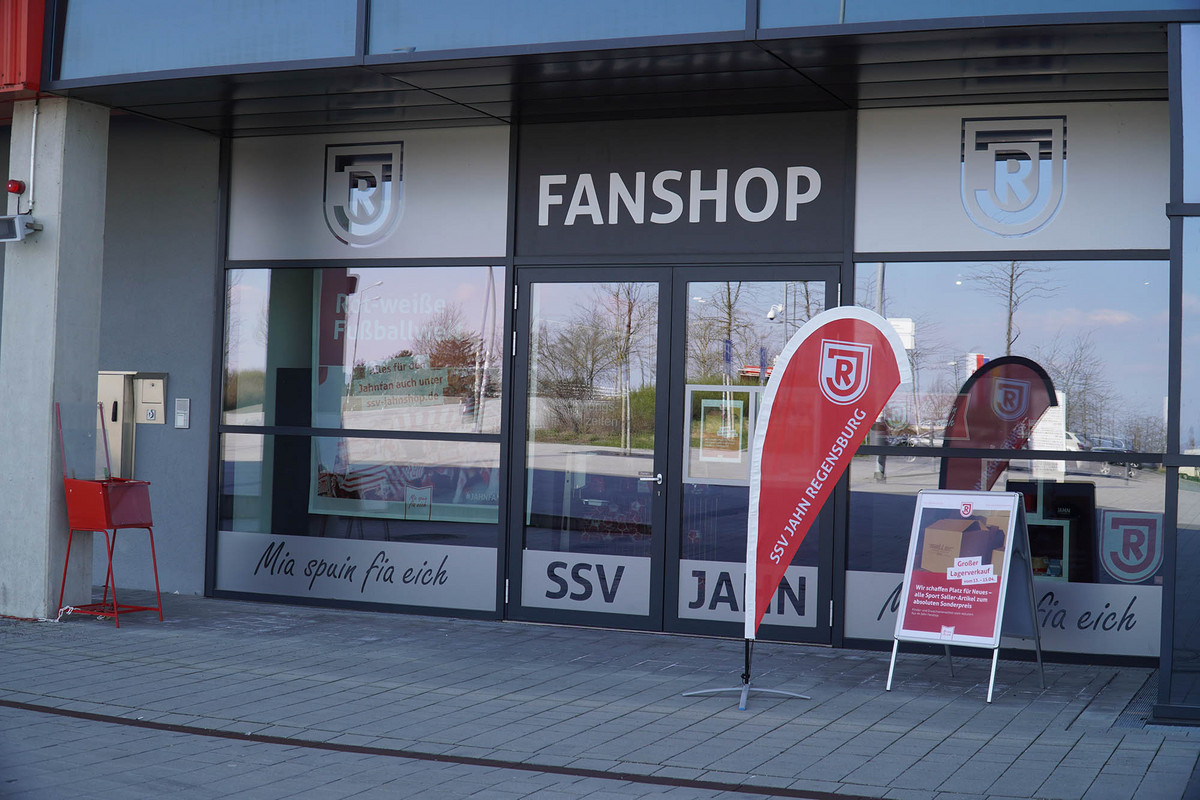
(968, 579)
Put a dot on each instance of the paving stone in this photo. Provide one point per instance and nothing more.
(549, 697)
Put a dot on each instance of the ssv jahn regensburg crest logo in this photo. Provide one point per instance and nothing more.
(1010, 398)
(845, 370)
(1014, 172)
(363, 191)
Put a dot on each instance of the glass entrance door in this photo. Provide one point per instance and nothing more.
(634, 421)
(592, 433)
(732, 332)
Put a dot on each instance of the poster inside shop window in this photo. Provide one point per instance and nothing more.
(417, 351)
(957, 576)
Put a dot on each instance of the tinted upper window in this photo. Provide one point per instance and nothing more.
(788, 13)
(115, 37)
(405, 26)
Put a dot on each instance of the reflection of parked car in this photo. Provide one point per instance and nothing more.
(1077, 443)
(1118, 447)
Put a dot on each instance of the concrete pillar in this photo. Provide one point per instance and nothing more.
(49, 346)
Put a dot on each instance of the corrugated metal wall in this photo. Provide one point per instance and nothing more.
(21, 44)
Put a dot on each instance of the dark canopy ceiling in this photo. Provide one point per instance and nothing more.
(991, 65)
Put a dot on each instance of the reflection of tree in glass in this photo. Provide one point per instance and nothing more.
(1078, 372)
(635, 314)
(585, 367)
(751, 317)
(1094, 407)
(447, 344)
(1013, 283)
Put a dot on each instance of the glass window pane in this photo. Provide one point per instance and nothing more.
(116, 37)
(1068, 517)
(413, 348)
(1190, 76)
(404, 26)
(1189, 71)
(1185, 674)
(1189, 415)
(247, 305)
(1096, 327)
(1096, 550)
(592, 394)
(409, 349)
(244, 505)
(402, 479)
(377, 489)
(735, 332)
(788, 13)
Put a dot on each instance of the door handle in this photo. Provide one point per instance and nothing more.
(656, 478)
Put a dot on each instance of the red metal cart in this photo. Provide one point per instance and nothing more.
(107, 505)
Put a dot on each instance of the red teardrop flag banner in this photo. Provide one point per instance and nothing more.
(995, 409)
(830, 383)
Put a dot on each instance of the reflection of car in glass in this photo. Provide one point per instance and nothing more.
(1118, 447)
(1077, 442)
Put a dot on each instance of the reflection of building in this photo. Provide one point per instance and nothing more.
(499, 167)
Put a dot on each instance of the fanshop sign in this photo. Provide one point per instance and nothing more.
(745, 184)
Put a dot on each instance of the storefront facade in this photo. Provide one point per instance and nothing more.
(504, 360)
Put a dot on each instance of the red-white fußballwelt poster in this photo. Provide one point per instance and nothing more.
(959, 555)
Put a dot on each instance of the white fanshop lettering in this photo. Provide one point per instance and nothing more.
(823, 473)
(758, 194)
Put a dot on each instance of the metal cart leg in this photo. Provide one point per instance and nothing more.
(154, 563)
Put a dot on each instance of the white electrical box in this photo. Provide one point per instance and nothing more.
(150, 398)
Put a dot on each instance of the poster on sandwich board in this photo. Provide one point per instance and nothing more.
(967, 579)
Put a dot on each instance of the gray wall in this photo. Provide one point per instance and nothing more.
(159, 307)
(5, 139)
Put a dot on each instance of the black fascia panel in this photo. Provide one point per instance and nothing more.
(349, 117)
(721, 57)
(944, 24)
(930, 46)
(1065, 96)
(1031, 85)
(1012, 65)
(294, 103)
(779, 79)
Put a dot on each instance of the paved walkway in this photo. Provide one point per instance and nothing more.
(264, 702)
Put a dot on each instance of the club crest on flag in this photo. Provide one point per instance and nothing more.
(363, 191)
(845, 370)
(1013, 172)
(1010, 398)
